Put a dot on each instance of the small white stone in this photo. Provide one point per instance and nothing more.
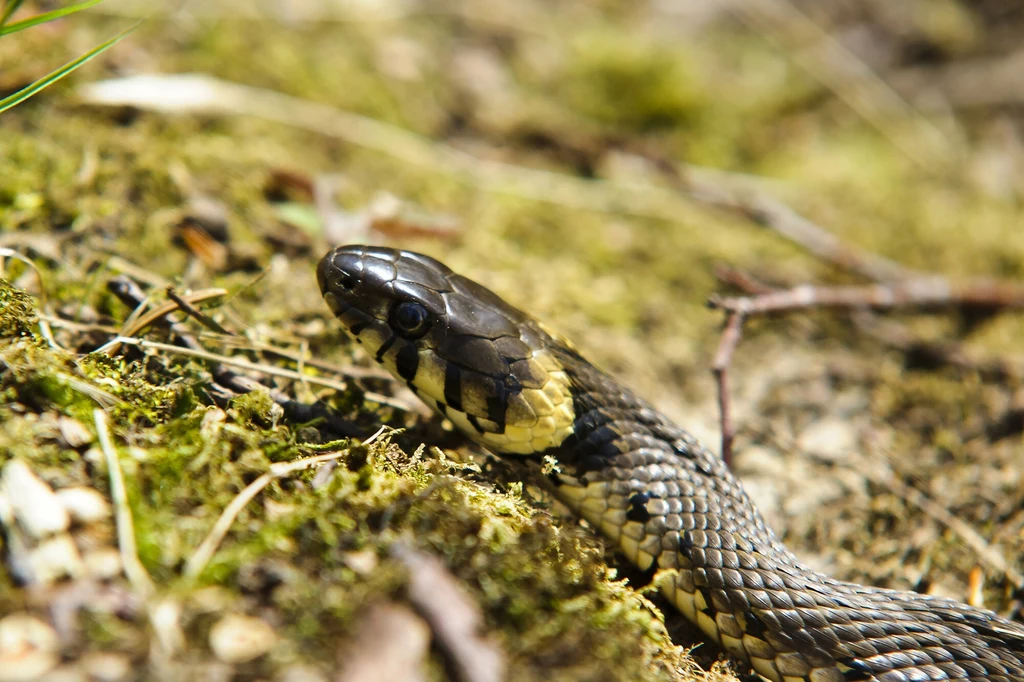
(165, 618)
(85, 505)
(55, 558)
(238, 639)
(362, 562)
(104, 666)
(102, 564)
(74, 433)
(28, 648)
(33, 503)
(831, 439)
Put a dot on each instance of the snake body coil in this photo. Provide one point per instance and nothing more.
(648, 485)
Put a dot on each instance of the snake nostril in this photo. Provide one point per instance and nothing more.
(347, 281)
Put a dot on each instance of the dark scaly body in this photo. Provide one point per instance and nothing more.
(649, 486)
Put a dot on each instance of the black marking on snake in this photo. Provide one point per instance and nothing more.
(357, 327)
(407, 362)
(755, 627)
(706, 595)
(474, 422)
(385, 347)
(686, 544)
(638, 507)
(496, 407)
(453, 385)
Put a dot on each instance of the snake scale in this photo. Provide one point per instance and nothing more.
(666, 502)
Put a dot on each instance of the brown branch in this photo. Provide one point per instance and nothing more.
(923, 292)
(720, 367)
(186, 307)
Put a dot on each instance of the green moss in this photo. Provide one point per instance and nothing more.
(17, 312)
(635, 84)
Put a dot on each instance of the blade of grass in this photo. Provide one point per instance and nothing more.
(45, 17)
(51, 78)
(10, 7)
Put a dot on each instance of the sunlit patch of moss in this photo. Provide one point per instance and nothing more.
(17, 311)
(640, 86)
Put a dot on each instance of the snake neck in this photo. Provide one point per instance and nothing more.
(626, 464)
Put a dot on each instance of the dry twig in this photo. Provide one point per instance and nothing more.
(923, 292)
(455, 619)
(920, 292)
(392, 643)
(720, 368)
(133, 568)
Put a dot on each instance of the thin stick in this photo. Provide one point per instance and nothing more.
(133, 568)
(268, 370)
(743, 281)
(720, 368)
(201, 557)
(920, 292)
(198, 315)
(137, 321)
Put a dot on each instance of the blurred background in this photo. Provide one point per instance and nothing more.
(605, 165)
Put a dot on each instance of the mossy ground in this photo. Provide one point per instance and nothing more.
(569, 88)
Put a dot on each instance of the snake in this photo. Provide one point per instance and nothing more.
(664, 501)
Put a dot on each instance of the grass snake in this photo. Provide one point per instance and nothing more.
(519, 389)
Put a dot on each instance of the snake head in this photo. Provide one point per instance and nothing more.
(477, 360)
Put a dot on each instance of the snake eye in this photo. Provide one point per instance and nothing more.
(409, 319)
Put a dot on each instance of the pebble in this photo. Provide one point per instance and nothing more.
(103, 563)
(239, 639)
(74, 433)
(29, 648)
(32, 502)
(84, 505)
(54, 559)
(103, 666)
(363, 562)
(829, 438)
